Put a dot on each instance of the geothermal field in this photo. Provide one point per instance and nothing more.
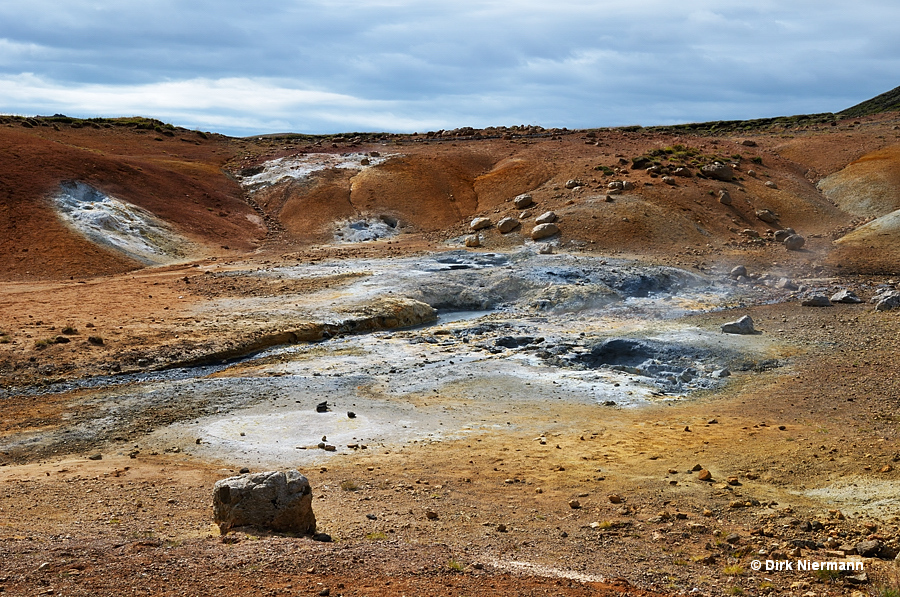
(628, 361)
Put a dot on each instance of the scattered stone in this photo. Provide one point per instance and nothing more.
(766, 215)
(546, 218)
(724, 197)
(616, 185)
(627, 185)
(771, 184)
(351, 414)
(816, 300)
(276, 500)
(574, 504)
(431, 514)
(322, 537)
(546, 249)
(544, 231)
(744, 326)
(733, 539)
(472, 241)
(480, 223)
(322, 407)
(683, 172)
(786, 284)
(738, 271)
(845, 296)
(95, 340)
(733, 481)
(748, 143)
(95, 457)
(522, 201)
(794, 242)
(704, 475)
(615, 498)
(669, 180)
(507, 225)
(573, 184)
(749, 233)
(718, 171)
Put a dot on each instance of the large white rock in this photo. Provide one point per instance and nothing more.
(480, 223)
(744, 325)
(276, 500)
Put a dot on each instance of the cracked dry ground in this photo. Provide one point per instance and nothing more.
(505, 523)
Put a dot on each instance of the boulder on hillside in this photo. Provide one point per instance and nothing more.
(522, 201)
(718, 171)
(781, 235)
(480, 223)
(276, 500)
(507, 225)
(794, 242)
(544, 231)
(724, 197)
(766, 215)
(546, 218)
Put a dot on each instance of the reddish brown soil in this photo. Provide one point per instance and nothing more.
(141, 525)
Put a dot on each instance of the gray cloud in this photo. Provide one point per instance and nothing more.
(245, 68)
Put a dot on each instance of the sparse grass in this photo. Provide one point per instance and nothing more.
(349, 485)
(735, 591)
(69, 331)
(377, 536)
(455, 566)
(756, 160)
(733, 570)
(44, 343)
(4, 338)
(827, 575)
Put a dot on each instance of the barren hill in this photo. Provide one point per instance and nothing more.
(430, 186)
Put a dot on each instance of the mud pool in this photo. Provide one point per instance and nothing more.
(518, 337)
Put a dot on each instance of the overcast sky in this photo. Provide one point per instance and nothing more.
(244, 68)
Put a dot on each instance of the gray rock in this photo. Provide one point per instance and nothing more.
(546, 218)
(786, 284)
(794, 242)
(627, 185)
(771, 184)
(670, 180)
(766, 215)
(507, 225)
(845, 296)
(780, 235)
(749, 233)
(480, 223)
(721, 373)
(816, 300)
(868, 549)
(574, 184)
(888, 301)
(683, 172)
(522, 201)
(738, 271)
(724, 197)
(616, 184)
(544, 231)
(718, 171)
(473, 241)
(276, 500)
(744, 325)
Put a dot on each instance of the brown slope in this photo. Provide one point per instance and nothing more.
(178, 181)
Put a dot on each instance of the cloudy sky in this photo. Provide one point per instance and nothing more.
(243, 68)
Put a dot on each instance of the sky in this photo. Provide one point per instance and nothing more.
(270, 66)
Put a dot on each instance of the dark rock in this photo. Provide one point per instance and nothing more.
(868, 549)
(322, 407)
(794, 242)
